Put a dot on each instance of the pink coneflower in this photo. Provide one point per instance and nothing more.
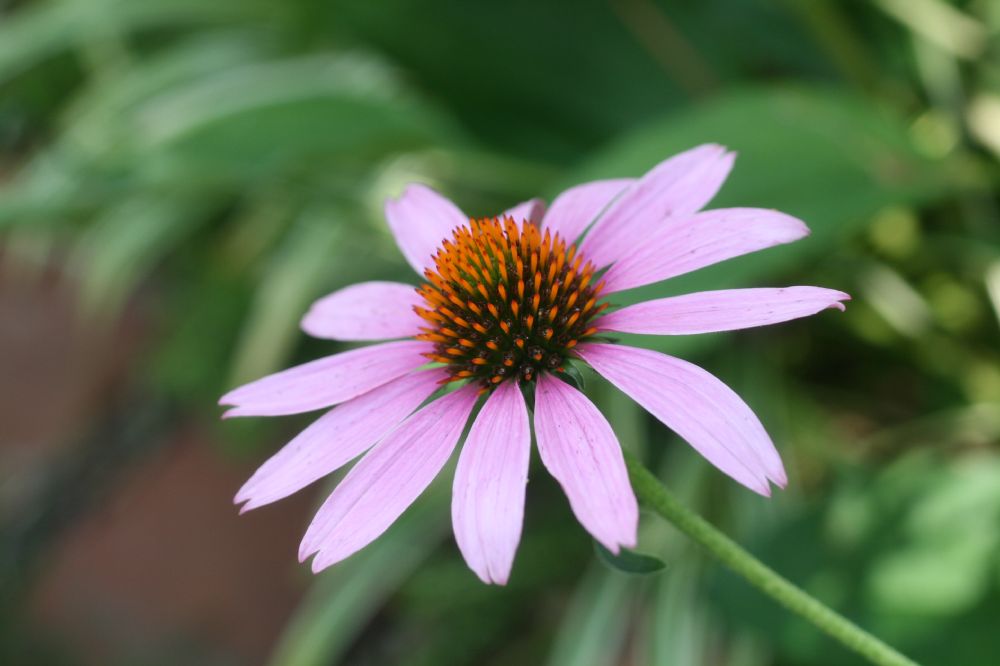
(508, 302)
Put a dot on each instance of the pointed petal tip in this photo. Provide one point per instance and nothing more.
(631, 539)
(304, 555)
(787, 228)
(615, 544)
(307, 547)
(408, 190)
(762, 483)
(308, 324)
(325, 558)
(841, 298)
(711, 146)
(776, 474)
(797, 229)
(490, 577)
(837, 299)
(250, 502)
(389, 207)
(317, 565)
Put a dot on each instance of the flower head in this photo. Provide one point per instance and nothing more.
(510, 301)
(507, 301)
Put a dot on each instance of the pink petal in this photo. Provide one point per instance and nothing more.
(530, 211)
(420, 220)
(387, 480)
(336, 438)
(580, 450)
(677, 187)
(727, 310)
(573, 210)
(487, 506)
(695, 405)
(685, 245)
(366, 311)
(326, 381)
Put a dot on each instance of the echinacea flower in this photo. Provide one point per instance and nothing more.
(508, 302)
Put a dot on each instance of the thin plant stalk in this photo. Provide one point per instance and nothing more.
(654, 495)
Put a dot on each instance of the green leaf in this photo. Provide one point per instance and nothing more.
(245, 119)
(347, 596)
(102, 116)
(125, 244)
(629, 561)
(294, 277)
(572, 374)
(594, 627)
(682, 633)
(43, 30)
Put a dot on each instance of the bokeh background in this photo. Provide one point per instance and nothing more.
(180, 178)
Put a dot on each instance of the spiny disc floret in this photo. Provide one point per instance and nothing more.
(507, 301)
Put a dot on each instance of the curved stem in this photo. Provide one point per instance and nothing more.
(652, 493)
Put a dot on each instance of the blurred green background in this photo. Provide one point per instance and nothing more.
(179, 179)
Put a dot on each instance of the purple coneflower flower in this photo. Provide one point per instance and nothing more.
(506, 303)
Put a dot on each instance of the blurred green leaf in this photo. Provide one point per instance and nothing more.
(126, 244)
(680, 629)
(594, 627)
(350, 106)
(345, 597)
(45, 29)
(101, 117)
(629, 562)
(946, 565)
(294, 277)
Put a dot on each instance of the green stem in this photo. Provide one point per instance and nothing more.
(654, 495)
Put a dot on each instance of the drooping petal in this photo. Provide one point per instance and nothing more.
(725, 310)
(365, 311)
(387, 480)
(530, 211)
(574, 210)
(326, 381)
(487, 504)
(337, 437)
(695, 405)
(685, 245)
(677, 187)
(420, 220)
(580, 450)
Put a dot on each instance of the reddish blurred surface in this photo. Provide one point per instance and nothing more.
(161, 558)
(167, 561)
